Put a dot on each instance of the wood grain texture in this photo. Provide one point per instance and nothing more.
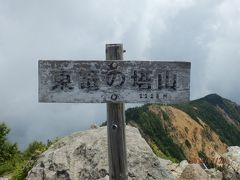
(117, 152)
(114, 81)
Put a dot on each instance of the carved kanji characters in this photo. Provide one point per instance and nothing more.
(167, 80)
(114, 77)
(142, 79)
(89, 80)
(62, 81)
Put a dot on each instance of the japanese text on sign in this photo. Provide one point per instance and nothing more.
(120, 81)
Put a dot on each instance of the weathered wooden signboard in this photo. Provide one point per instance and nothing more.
(114, 81)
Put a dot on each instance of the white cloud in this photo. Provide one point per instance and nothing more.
(224, 56)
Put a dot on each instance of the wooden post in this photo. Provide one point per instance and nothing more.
(117, 153)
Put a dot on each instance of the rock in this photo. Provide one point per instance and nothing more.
(175, 169)
(94, 126)
(193, 171)
(5, 178)
(183, 164)
(214, 174)
(231, 165)
(83, 155)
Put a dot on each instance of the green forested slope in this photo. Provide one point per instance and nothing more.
(221, 115)
(207, 110)
(152, 128)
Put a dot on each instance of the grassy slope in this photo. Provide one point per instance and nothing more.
(152, 128)
(204, 108)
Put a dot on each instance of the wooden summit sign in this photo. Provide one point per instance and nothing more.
(114, 81)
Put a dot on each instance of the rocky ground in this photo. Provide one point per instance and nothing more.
(83, 155)
(7, 177)
(231, 164)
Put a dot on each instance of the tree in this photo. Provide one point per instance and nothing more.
(7, 149)
(34, 149)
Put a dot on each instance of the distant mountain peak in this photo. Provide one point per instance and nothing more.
(217, 100)
(214, 99)
(213, 95)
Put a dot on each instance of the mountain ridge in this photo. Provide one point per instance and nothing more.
(198, 130)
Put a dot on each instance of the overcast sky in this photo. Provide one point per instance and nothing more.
(204, 32)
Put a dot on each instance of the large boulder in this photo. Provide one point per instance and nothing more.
(175, 168)
(231, 164)
(193, 172)
(214, 174)
(185, 171)
(83, 155)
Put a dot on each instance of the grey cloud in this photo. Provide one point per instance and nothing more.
(224, 58)
(161, 30)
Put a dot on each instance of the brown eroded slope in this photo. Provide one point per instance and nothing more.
(194, 138)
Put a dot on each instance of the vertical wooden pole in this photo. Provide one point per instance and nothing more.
(117, 153)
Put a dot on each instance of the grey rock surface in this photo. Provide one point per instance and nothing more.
(194, 172)
(214, 174)
(175, 168)
(5, 177)
(83, 156)
(231, 165)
